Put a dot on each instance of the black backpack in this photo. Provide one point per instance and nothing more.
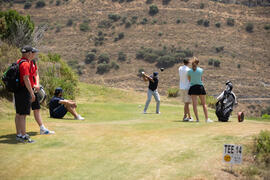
(11, 77)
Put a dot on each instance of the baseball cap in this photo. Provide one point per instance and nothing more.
(155, 73)
(28, 48)
(57, 91)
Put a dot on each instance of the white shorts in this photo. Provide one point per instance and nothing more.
(185, 97)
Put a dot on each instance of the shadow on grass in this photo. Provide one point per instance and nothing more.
(65, 118)
(230, 171)
(11, 138)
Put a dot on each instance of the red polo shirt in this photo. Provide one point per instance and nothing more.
(26, 70)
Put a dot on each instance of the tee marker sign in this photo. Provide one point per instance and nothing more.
(232, 154)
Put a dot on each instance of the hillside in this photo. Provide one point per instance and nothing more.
(117, 141)
(244, 60)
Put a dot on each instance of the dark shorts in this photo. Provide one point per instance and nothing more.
(22, 101)
(59, 112)
(197, 90)
(36, 104)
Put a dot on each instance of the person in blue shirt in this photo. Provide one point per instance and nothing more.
(197, 89)
(59, 106)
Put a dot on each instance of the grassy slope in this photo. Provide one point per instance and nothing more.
(116, 141)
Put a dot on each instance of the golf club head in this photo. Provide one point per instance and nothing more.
(161, 69)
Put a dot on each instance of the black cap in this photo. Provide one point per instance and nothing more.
(155, 73)
(58, 91)
(27, 48)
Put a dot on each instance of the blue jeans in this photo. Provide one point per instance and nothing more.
(149, 97)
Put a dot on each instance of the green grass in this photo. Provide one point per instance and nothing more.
(117, 141)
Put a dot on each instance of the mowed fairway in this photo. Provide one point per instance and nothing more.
(116, 141)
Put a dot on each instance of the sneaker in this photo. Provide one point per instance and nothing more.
(79, 117)
(186, 119)
(144, 112)
(27, 139)
(190, 119)
(46, 131)
(18, 138)
(197, 120)
(158, 112)
(209, 121)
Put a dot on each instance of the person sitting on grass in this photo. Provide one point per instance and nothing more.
(59, 106)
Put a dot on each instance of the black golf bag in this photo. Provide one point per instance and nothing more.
(226, 101)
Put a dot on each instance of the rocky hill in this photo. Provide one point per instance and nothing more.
(231, 40)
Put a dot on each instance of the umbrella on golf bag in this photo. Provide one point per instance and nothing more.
(226, 101)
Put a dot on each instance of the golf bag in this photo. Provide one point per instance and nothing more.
(226, 101)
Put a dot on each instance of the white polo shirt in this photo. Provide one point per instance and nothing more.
(183, 73)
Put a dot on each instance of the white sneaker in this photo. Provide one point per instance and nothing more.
(79, 117)
(46, 131)
(158, 112)
(190, 119)
(144, 112)
(209, 121)
(186, 119)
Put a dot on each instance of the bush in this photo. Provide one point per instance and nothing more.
(267, 26)
(58, 2)
(104, 24)
(210, 101)
(206, 23)
(201, 6)
(103, 58)
(121, 35)
(114, 17)
(238, 66)
(144, 21)
(40, 4)
(265, 116)
(178, 21)
(128, 24)
(173, 92)
(69, 22)
(153, 10)
(160, 34)
(165, 2)
(200, 22)
(149, 1)
(210, 62)
(122, 56)
(16, 29)
(27, 5)
(219, 49)
(90, 57)
(266, 111)
(150, 57)
(84, 27)
(54, 72)
(166, 61)
(217, 63)
(134, 19)
(103, 68)
(249, 27)
(261, 148)
(218, 24)
(230, 22)
(114, 66)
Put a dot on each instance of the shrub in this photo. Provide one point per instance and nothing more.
(149, 1)
(210, 101)
(201, 5)
(266, 111)
(200, 22)
(16, 29)
(267, 26)
(69, 22)
(90, 57)
(249, 27)
(219, 49)
(58, 2)
(94, 50)
(114, 65)
(165, 2)
(27, 5)
(173, 92)
(217, 63)
(40, 4)
(210, 62)
(178, 21)
(84, 27)
(128, 24)
(153, 10)
(238, 66)
(265, 116)
(121, 35)
(134, 19)
(114, 17)
(103, 68)
(103, 58)
(58, 28)
(166, 61)
(230, 22)
(150, 57)
(261, 148)
(104, 24)
(206, 23)
(144, 21)
(160, 34)
(122, 56)
(218, 24)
